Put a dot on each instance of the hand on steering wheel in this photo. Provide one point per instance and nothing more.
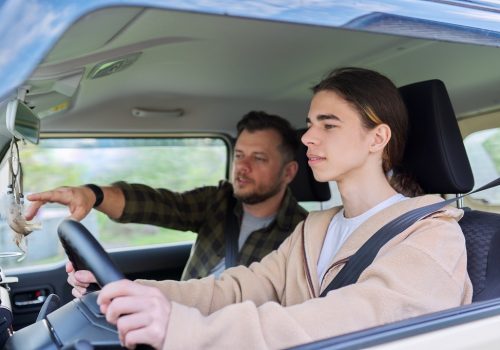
(140, 313)
(80, 280)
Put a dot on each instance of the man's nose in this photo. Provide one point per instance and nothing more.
(308, 137)
(242, 164)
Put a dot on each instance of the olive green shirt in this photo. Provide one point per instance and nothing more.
(203, 210)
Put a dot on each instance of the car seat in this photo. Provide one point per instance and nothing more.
(436, 156)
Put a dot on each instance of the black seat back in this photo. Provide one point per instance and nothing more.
(482, 236)
(435, 154)
(304, 187)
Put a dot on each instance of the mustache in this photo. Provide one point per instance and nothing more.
(240, 176)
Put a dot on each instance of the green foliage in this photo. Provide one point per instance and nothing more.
(43, 170)
(492, 146)
(119, 235)
(177, 164)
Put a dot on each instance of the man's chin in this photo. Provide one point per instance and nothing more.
(321, 177)
(253, 197)
(249, 198)
(252, 200)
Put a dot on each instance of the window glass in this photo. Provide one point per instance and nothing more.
(483, 149)
(178, 164)
(334, 200)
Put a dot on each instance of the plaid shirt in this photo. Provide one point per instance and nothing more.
(203, 210)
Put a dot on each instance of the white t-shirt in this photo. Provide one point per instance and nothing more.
(249, 224)
(340, 229)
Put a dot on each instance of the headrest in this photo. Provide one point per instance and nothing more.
(304, 187)
(435, 154)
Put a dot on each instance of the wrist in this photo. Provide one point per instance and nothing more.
(99, 194)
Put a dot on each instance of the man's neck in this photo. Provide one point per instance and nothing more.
(363, 194)
(266, 208)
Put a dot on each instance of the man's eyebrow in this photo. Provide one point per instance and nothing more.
(263, 153)
(322, 117)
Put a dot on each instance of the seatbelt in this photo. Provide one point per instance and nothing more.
(231, 233)
(365, 255)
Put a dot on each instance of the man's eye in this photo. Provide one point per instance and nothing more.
(329, 126)
(238, 156)
(260, 159)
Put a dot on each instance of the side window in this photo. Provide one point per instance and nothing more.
(483, 150)
(178, 164)
(334, 200)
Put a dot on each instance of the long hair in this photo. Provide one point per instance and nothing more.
(377, 101)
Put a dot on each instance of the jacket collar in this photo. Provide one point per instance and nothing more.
(316, 227)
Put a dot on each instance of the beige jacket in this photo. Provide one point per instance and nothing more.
(274, 304)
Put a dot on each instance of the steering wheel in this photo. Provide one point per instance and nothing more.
(85, 253)
(80, 320)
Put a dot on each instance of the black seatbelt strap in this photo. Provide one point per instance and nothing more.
(365, 255)
(231, 233)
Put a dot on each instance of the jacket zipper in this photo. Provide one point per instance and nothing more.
(306, 265)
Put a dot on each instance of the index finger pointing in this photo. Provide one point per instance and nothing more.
(49, 196)
(33, 209)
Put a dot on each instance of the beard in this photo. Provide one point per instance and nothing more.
(258, 196)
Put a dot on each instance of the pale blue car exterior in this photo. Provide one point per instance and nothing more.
(30, 28)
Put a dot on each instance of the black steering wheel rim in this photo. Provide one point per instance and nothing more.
(86, 253)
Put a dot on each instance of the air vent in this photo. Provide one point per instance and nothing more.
(104, 69)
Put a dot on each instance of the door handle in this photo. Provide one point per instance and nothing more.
(31, 298)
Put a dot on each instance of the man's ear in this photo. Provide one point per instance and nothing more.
(290, 171)
(381, 136)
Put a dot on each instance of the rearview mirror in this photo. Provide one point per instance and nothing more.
(22, 122)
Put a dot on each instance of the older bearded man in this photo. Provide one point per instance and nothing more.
(258, 200)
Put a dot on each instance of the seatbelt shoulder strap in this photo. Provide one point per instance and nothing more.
(231, 233)
(365, 255)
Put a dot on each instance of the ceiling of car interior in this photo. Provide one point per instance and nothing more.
(217, 68)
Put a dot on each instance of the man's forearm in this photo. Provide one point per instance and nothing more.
(113, 202)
